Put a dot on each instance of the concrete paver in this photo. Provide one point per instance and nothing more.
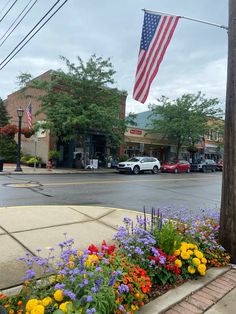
(83, 234)
(11, 269)
(33, 217)
(115, 218)
(94, 212)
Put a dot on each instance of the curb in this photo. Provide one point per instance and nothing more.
(176, 295)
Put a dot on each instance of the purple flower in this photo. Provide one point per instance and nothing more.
(90, 311)
(89, 298)
(123, 288)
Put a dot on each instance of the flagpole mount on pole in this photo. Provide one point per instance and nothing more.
(188, 18)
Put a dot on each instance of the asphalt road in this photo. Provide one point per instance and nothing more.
(193, 191)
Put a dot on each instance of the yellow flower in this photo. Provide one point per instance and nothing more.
(11, 311)
(190, 252)
(198, 254)
(38, 309)
(177, 252)
(202, 273)
(201, 268)
(63, 306)
(134, 307)
(46, 301)
(192, 246)
(196, 261)
(178, 263)
(58, 295)
(72, 258)
(31, 304)
(80, 253)
(204, 260)
(71, 264)
(191, 270)
(52, 279)
(185, 255)
(91, 260)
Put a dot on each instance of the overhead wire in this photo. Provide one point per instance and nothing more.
(5, 5)
(3, 63)
(16, 21)
(8, 10)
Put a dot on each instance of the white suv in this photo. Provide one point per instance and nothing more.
(137, 164)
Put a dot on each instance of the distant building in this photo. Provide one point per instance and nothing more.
(140, 141)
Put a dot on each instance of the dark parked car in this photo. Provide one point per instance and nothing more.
(204, 165)
(176, 166)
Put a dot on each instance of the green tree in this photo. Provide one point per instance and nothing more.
(184, 120)
(83, 99)
(8, 146)
(4, 117)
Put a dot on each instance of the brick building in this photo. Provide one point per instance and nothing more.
(43, 142)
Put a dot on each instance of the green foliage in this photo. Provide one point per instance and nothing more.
(54, 154)
(4, 117)
(8, 148)
(184, 120)
(123, 158)
(168, 238)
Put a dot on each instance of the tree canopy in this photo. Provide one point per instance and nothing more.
(184, 120)
(82, 99)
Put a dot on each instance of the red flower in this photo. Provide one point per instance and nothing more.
(108, 249)
(93, 249)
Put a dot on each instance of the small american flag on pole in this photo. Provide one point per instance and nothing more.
(156, 34)
(29, 115)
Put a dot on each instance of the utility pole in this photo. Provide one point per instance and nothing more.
(228, 199)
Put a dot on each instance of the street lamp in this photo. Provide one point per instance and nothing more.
(20, 113)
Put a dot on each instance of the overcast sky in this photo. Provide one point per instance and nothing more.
(196, 59)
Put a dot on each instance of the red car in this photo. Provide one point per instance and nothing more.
(176, 166)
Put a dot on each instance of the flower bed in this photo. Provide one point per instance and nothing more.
(147, 258)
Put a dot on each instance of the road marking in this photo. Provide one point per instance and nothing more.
(118, 181)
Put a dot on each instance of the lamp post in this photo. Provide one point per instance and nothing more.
(20, 113)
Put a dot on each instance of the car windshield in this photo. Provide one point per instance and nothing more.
(133, 159)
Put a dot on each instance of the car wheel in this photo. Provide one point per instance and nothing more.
(176, 170)
(204, 169)
(136, 170)
(188, 170)
(155, 170)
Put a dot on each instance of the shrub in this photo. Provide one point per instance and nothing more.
(54, 154)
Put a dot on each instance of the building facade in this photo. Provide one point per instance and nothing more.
(71, 153)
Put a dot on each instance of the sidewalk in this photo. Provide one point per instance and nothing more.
(28, 228)
(9, 169)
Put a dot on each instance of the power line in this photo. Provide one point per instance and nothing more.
(8, 10)
(32, 35)
(5, 6)
(18, 22)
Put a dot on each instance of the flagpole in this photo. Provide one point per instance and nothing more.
(188, 18)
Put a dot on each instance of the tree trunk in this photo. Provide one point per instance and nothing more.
(228, 200)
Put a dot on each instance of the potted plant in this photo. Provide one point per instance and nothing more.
(28, 132)
(54, 156)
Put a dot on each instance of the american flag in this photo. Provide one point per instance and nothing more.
(29, 115)
(156, 34)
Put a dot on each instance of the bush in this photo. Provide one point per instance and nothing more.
(8, 148)
(53, 155)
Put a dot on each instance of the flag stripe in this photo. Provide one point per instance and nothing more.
(150, 59)
(156, 63)
(29, 115)
(144, 54)
(151, 55)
